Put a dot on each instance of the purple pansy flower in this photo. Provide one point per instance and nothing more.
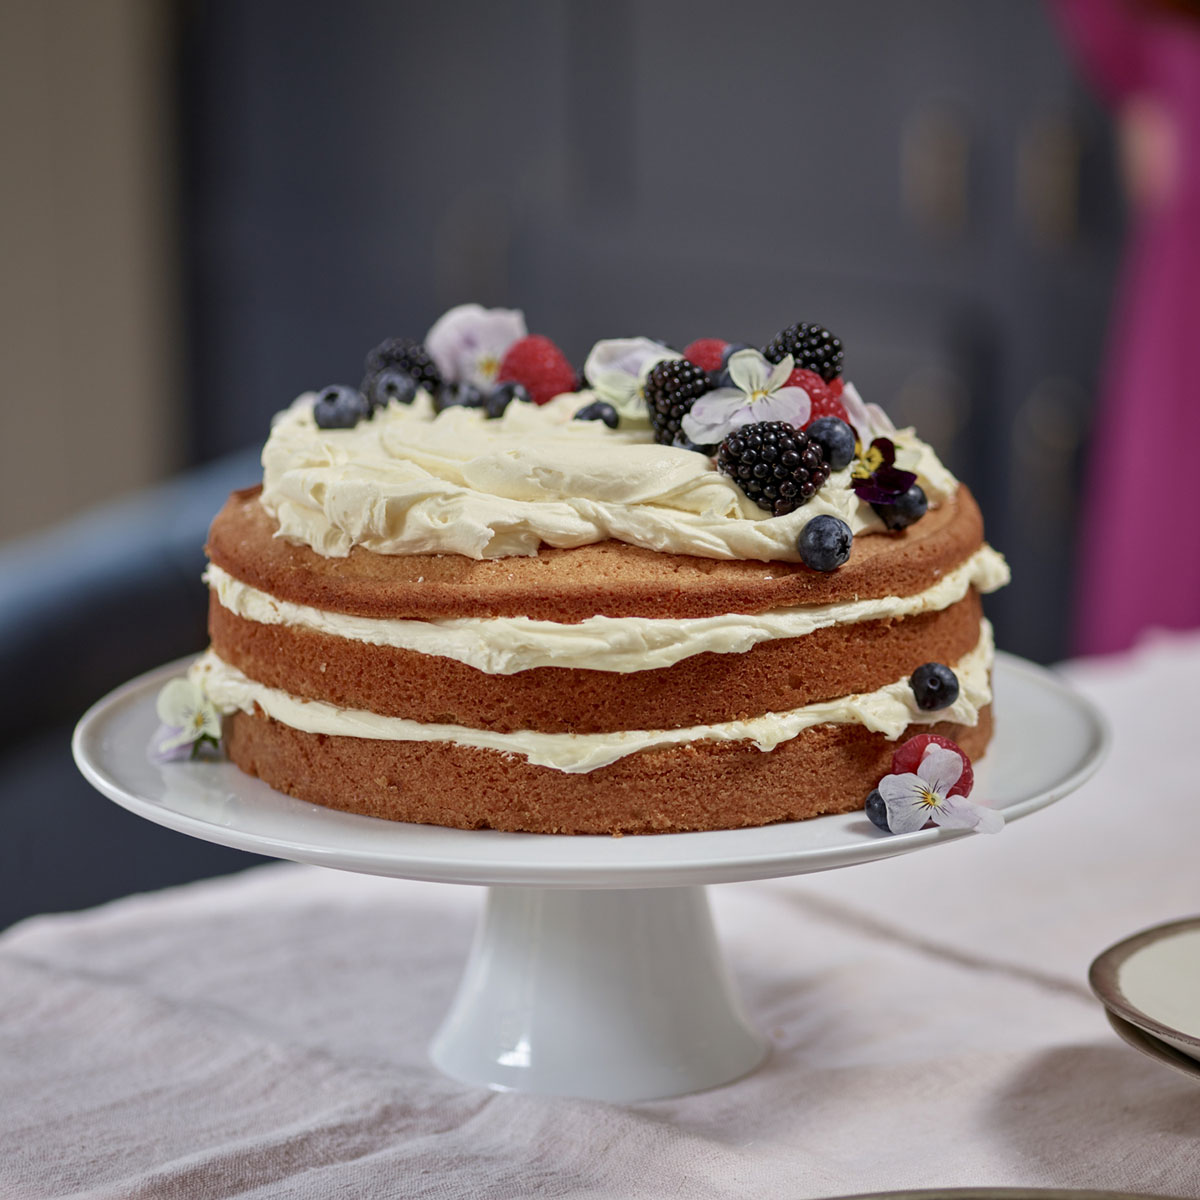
(912, 800)
(868, 421)
(469, 342)
(616, 370)
(760, 393)
(876, 478)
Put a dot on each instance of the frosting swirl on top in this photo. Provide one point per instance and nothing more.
(412, 482)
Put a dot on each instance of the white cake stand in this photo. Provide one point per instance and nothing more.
(595, 971)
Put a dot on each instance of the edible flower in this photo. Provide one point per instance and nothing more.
(616, 370)
(912, 800)
(868, 421)
(189, 721)
(760, 392)
(876, 478)
(469, 342)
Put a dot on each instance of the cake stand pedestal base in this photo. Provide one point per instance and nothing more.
(615, 995)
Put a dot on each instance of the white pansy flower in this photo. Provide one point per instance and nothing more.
(469, 342)
(616, 371)
(760, 393)
(188, 718)
(911, 800)
(868, 421)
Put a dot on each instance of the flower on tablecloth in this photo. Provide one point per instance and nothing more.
(760, 392)
(189, 719)
(876, 478)
(913, 799)
(469, 342)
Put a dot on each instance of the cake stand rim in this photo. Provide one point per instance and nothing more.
(729, 867)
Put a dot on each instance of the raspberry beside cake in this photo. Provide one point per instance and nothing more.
(452, 605)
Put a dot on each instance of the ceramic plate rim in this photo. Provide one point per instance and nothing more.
(723, 867)
(1104, 973)
(1144, 1042)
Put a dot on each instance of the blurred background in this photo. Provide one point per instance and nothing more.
(208, 206)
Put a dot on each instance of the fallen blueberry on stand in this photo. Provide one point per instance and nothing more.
(339, 407)
(877, 811)
(598, 410)
(825, 543)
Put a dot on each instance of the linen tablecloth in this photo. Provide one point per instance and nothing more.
(265, 1035)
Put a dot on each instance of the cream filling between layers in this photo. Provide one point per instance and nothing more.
(888, 711)
(506, 645)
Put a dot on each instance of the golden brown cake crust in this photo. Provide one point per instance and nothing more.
(704, 785)
(774, 676)
(609, 578)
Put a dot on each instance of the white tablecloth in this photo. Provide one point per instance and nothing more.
(265, 1034)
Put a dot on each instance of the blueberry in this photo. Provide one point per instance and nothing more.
(502, 395)
(733, 348)
(458, 395)
(598, 410)
(340, 407)
(391, 383)
(877, 811)
(934, 686)
(824, 543)
(905, 510)
(836, 438)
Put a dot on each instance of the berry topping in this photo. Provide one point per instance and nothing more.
(340, 408)
(458, 395)
(598, 410)
(776, 465)
(810, 346)
(708, 353)
(411, 357)
(877, 811)
(387, 385)
(825, 543)
(824, 402)
(501, 396)
(836, 440)
(906, 509)
(934, 685)
(836, 386)
(731, 348)
(906, 758)
(539, 366)
(671, 388)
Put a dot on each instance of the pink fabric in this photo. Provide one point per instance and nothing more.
(1140, 554)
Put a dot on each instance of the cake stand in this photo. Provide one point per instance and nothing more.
(595, 971)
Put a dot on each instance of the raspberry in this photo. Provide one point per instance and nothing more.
(907, 757)
(810, 346)
(824, 400)
(776, 465)
(539, 366)
(671, 388)
(836, 385)
(706, 353)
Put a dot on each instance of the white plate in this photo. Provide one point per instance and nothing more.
(1152, 1047)
(1152, 980)
(1048, 741)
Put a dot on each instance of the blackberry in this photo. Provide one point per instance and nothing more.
(410, 357)
(777, 465)
(811, 346)
(672, 387)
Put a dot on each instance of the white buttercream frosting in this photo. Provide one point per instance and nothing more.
(409, 482)
(888, 711)
(506, 645)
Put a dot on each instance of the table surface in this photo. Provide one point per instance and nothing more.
(265, 1035)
